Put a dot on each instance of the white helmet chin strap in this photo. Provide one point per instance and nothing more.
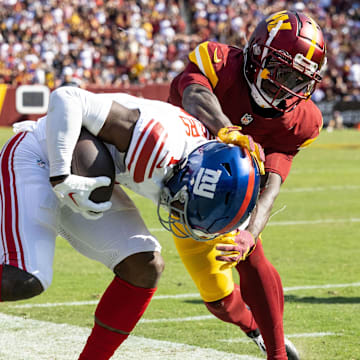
(259, 98)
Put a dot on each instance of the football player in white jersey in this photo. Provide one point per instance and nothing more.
(207, 187)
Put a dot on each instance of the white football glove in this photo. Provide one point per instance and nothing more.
(75, 190)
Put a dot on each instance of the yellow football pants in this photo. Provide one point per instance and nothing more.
(213, 278)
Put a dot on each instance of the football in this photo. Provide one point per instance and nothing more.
(91, 158)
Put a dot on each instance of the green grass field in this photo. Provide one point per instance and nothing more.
(312, 239)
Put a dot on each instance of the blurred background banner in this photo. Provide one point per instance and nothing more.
(9, 111)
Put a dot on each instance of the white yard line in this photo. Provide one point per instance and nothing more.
(94, 302)
(177, 320)
(303, 335)
(181, 296)
(27, 339)
(321, 188)
(325, 286)
(319, 334)
(313, 222)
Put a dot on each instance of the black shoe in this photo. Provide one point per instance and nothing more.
(256, 337)
(291, 351)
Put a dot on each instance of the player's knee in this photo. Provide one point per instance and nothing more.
(217, 307)
(17, 284)
(141, 269)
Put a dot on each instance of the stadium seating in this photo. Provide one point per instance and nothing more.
(118, 43)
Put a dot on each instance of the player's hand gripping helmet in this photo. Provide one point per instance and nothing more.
(284, 59)
(212, 192)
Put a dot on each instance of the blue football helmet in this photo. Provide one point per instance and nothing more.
(211, 192)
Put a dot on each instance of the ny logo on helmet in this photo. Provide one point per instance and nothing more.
(205, 183)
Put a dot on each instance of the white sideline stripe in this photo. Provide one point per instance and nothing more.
(27, 339)
(326, 286)
(312, 222)
(179, 296)
(94, 302)
(189, 318)
(303, 335)
(319, 334)
(322, 188)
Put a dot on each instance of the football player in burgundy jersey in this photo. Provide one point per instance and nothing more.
(265, 89)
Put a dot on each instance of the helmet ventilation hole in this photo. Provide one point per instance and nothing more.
(227, 167)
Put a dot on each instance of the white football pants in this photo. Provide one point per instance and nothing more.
(31, 218)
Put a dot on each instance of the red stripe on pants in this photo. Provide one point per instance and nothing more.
(10, 210)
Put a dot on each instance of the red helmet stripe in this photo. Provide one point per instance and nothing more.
(247, 198)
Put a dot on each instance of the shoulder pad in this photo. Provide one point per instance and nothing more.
(209, 57)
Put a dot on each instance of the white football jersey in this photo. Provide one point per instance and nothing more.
(163, 135)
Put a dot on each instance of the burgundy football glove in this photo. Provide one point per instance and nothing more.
(242, 244)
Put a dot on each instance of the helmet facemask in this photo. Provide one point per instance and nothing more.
(281, 81)
(175, 217)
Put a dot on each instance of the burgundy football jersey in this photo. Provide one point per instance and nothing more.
(219, 67)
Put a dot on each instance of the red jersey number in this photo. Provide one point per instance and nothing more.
(193, 127)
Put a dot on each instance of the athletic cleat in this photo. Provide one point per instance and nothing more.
(256, 337)
(291, 351)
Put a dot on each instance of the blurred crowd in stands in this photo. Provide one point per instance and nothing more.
(123, 42)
